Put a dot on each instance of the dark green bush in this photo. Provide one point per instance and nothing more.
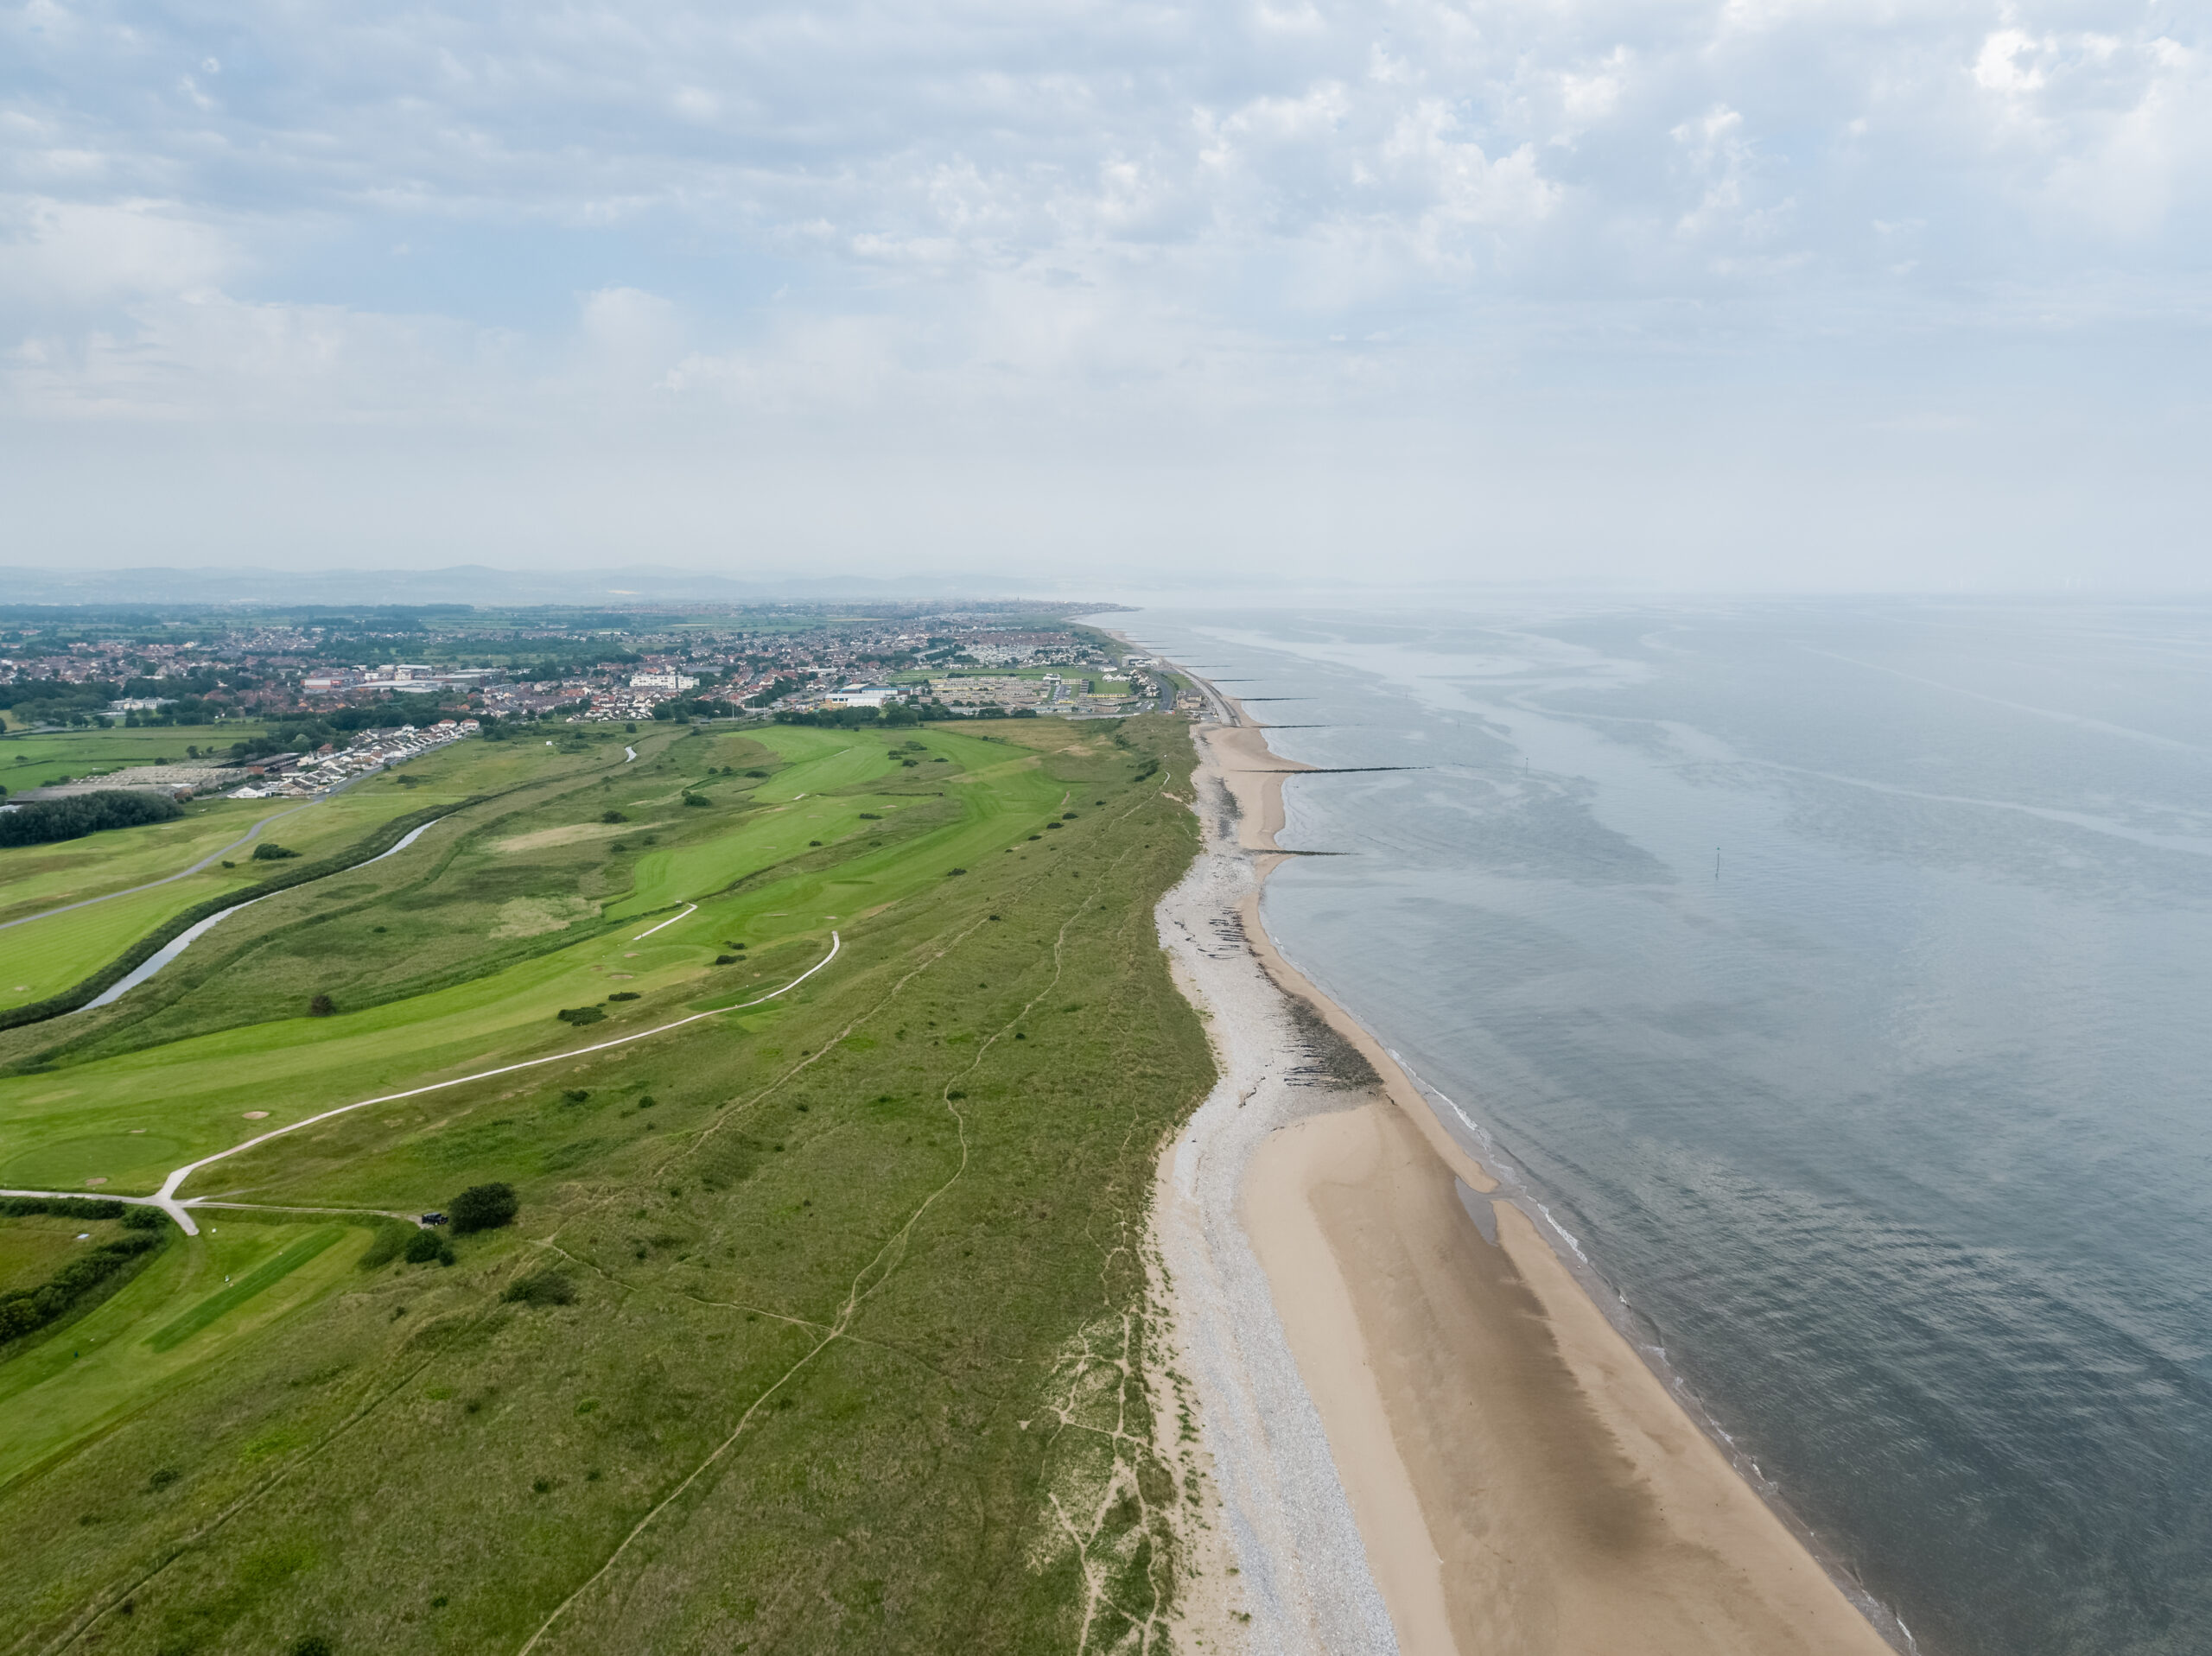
(612, 816)
(267, 851)
(321, 1006)
(483, 1207)
(138, 1217)
(623, 995)
(580, 1014)
(425, 1245)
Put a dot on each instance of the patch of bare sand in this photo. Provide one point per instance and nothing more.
(1523, 1481)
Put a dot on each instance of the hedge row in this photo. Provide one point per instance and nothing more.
(26, 1311)
(42, 822)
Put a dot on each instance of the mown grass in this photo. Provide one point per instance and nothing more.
(49, 954)
(859, 1330)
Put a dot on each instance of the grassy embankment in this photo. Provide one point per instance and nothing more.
(855, 1356)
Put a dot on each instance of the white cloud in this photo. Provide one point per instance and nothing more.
(68, 255)
(1136, 226)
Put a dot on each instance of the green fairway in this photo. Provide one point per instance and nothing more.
(65, 944)
(851, 1318)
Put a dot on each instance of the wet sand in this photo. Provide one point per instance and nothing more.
(1518, 1480)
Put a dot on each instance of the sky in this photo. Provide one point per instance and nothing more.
(1751, 295)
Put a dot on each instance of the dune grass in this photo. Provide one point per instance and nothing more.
(859, 1340)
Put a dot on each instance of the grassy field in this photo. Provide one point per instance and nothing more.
(854, 1351)
(31, 759)
(46, 955)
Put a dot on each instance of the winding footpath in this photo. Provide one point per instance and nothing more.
(177, 1207)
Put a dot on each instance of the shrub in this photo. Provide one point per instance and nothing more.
(547, 1287)
(268, 851)
(139, 1217)
(950, 872)
(612, 816)
(576, 1094)
(623, 995)
(646, 1101)
(725, 960)
(580, 1014)
(485, 1207)
(690, 798)
(425, 1245)
(321, 1006)
(871, 817)
(756, 773)
(314, 1645)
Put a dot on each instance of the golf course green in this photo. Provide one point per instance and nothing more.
(831, 1065)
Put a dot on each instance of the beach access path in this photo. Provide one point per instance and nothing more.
(1424, 1434)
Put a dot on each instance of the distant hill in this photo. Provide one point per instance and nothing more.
(473, 583)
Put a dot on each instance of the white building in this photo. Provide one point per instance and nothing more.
(861, 696)
(668, 680)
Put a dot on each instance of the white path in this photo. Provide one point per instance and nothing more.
(167, 1199)
(689, 907)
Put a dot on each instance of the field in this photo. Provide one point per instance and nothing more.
(823, 1325)
(43, 956)
(31, 759)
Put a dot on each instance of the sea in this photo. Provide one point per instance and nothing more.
(1837, 974)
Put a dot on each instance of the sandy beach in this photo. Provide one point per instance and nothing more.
(1424, 1434)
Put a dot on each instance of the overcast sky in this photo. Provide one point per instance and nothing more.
(1760, 294)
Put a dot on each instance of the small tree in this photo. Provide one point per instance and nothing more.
(425, 1245)
(483, 1207)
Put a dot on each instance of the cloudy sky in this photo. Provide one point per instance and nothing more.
(1760, 293)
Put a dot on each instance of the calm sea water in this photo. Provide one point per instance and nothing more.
(1840, 975)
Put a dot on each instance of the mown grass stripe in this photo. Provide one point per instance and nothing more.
(266, 1276)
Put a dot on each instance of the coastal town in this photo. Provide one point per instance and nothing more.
(319, 700)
